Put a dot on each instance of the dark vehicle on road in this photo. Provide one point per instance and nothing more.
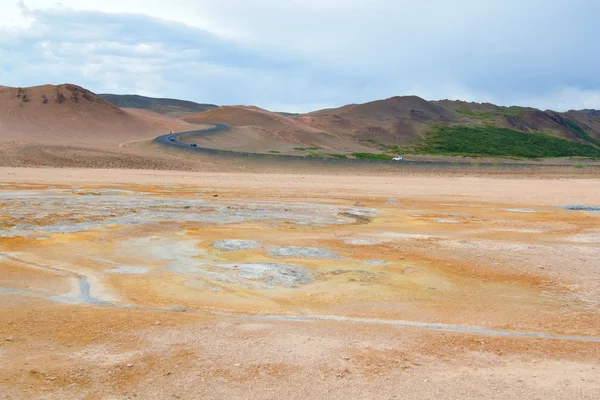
(194, 145)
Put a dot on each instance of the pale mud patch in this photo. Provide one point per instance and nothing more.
(517, 230)
(303, 252)
(272, 274)
(593, 238)
(446, 221)
(180, 255)
(186, 268)
(404, 235)
(236, 245)
(129, 270)
(72, 213)
(366, 242)
(521, 210)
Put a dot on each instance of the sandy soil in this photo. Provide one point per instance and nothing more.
(538, 191)
(119, 284)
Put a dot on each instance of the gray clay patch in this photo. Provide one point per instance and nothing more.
(303, 252)
(377, 262)
(128, 270)
(236, 244)
(271, 273)
(594, 209)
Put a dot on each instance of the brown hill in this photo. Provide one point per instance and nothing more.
(397, 120)
(259, 130)
(248, 116)
(67, 114)
(171, 124)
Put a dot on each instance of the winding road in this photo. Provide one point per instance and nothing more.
(170, 139)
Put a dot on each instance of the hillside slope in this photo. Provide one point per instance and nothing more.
(67, 114)
(397, 120)
(173, 107)
(259, 130)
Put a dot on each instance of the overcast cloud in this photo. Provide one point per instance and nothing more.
(300, 55)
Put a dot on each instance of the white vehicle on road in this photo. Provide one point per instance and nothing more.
(398, 158)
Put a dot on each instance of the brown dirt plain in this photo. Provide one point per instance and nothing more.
(124, 284)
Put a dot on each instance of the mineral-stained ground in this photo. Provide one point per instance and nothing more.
(155, 291)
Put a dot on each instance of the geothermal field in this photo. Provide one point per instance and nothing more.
(154, 285)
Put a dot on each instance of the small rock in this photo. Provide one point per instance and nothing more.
(425, 380)
(51, 378)
(168, 373)
(347, 358)
(237, 364)
(10, 338)
(129, 365)
(157, 323)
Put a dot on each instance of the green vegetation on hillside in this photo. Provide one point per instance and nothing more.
(307, 148)
(490, 141)
(580, 133)
(491, 115)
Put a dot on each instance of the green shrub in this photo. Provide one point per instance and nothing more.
(274, 151)
(580, 133)
(580, 166)
(491, 141)
(307, 148)
(491, 115)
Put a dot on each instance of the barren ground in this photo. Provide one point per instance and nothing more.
(119, 284)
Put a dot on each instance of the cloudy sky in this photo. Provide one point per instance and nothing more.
(300, 55)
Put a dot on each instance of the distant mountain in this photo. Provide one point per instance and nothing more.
(173, 107)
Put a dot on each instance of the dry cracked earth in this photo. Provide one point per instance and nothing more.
(156, 291)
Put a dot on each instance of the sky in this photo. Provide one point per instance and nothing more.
(303, 55)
